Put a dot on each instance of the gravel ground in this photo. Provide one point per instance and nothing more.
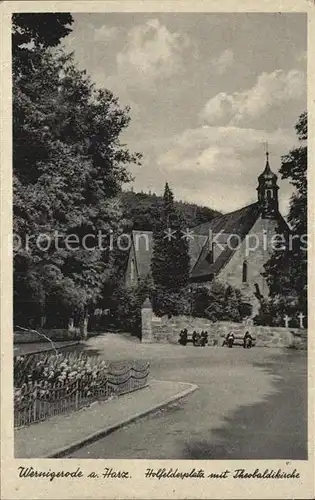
(250, 404)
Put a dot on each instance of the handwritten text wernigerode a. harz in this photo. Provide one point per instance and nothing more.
(159, 474)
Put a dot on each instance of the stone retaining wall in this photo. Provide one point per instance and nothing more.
(167, 330)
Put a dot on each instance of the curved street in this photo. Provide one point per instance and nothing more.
(251, 404)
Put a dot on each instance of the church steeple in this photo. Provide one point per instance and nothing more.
(268, 191)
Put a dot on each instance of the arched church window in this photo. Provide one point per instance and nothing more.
(269, 194)
(132, 270)
(210, 256)
(244, 272)
(257, 291)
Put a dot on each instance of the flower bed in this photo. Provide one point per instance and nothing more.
(47, 385)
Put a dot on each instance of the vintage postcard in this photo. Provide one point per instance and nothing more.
(157, 254)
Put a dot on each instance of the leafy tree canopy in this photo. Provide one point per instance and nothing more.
(42, 29)
(286, 271)
(69, 168)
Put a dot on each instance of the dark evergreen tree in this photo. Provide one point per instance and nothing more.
(170, 261)
(168, 199)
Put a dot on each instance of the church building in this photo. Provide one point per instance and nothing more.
(231, 248)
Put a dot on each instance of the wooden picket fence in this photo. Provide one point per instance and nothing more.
(38, 402)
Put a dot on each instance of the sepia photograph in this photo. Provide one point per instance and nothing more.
(156, 281)
(160, 235)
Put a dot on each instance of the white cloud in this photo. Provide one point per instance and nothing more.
(221, 63)
(208, 147)
(270, 90)
(151, 53)
(219, 166)
(105, 33)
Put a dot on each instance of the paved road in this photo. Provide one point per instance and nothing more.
(251, 404)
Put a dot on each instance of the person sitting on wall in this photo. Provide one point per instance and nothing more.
(225, 341)
(180, 340)
(183, 337)
(186, 335)
(230, 339)
(200, 337)
(247, 341)
(194, 337)
(202, 334)
(204, 338)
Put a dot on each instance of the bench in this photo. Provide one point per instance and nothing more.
(239, 340)
(198, 342)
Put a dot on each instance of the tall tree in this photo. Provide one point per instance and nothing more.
(168, 200)
(69, 167)
(170, 261)
(42, 29)
(286, 271)
(38, 31)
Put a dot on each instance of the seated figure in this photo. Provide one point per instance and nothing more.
(194, 337)
(204, 338)
(183, 337)
(247, 341)
(229, 340)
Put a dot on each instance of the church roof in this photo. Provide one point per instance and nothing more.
(229, 223)
(143, 250)
(195, 247)
(238, 223)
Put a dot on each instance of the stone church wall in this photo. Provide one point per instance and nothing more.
(264, 230)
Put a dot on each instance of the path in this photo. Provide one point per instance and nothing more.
(250, 404)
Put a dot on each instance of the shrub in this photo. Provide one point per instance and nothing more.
(273, 310)
(170, 302)
(220, 303)
(217, 303)
(126, 305)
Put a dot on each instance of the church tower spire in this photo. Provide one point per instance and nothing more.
(268, 192)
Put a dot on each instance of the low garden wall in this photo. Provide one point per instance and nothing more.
(42, 335)
(166, 330)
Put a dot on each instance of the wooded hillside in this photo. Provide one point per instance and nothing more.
(142, 210)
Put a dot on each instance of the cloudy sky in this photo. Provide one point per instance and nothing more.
(206, 91)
